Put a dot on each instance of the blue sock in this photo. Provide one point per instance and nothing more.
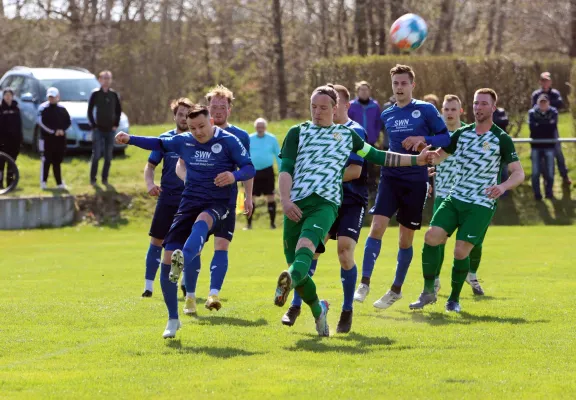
(170, 292)
(297, 300)
(153, 261)
(218, 269)
(371, 253)
(404, 260)
(348, 284)
(195, 242)
(191, 272)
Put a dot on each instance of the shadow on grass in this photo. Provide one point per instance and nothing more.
(436, 318)
(217, 352)
(230, 321)
(354, 343)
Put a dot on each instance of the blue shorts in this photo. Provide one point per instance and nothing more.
(404, 198)
(186, 217)
(227, 227)
(163, 218)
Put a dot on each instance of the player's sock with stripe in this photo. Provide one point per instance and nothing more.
(190, 278)
(195, 242)
(169, 291)
(403, 263)
(218, 269)
(475, 257)
(348, 278)
(302, 281)
(459, 271)
(297, 300)
(152, 264)
(430, 260)
(371, 253)
(442, 250)
(272, 211)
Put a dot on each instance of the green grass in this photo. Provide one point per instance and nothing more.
(72, 324)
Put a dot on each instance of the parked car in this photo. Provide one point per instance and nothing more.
(75, 86)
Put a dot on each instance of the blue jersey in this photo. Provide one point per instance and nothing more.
(171, 185)
(204, 161)
(245, 140)
(356, 190)
(418, 118)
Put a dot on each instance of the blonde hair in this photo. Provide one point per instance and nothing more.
(362, 83)
(220, 91)
(489, 91)
(452, 97)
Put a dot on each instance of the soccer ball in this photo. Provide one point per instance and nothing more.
(409, 32)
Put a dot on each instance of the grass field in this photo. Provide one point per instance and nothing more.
(72, 324)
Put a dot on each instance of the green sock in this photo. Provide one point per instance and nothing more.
(459, 271)
(430, 259)
(475, 257)
(442, 249)
(302, 283)
(307, 291)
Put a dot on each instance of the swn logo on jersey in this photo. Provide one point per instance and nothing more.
(401, 122)
(203, 155)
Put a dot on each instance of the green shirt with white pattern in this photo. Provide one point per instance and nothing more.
(445, 174)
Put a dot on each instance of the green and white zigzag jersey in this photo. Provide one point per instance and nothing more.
(479, 160)
(319, 155)
(445, 174)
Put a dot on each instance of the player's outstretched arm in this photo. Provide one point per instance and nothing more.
(390, 159)
(146, 143)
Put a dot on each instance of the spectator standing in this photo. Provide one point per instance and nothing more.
(432, 99)
(500, 118)
(10, 133)
(366, 111)
(104, 111)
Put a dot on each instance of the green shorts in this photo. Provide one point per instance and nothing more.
(437, 201)
(318, 215)
(471, 220)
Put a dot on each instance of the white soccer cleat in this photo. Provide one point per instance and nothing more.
(437, 286)
(176, 266)
(361, 292)
(62, 186)
(43, 185)
(171, 328)
(387, 300)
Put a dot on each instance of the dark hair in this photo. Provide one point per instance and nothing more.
(403, 69)
(8, 90)
(329, 91)
(104, 73)
(343, 92)
(196, 110)
(489, 91)
(182, 101)
(362, 83)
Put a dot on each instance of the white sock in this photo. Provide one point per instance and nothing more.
(213, 292)
(472, 276)
(191, 295)
(149, 285)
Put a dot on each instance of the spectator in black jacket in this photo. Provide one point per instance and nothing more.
(104, 110)
(10, 133)
(556, 101)
(53, 120)
(543, 120)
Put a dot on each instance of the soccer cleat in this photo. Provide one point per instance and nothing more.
(361, 293)
(424, 299)
(43, 185)
(452, 306)
(345, 323)
(190, 306)
(289, 318)
(387, 300)
(283, 288)
(183, 289)
(62, 186)
(437, 286)
(147, 293)
(171, 328)
(476, 288)
(272, 225)
(213, 303)
(322, 321)
(177, 265)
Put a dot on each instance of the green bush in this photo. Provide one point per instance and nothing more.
(572, 97)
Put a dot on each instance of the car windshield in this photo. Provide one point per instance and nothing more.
(72, 89)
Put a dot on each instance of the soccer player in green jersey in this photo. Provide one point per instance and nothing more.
(480, 151)
(314, 156)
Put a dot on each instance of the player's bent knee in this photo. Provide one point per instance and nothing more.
(462, 249)
(221, 244)
(378, 226)
(156, 242)
(206, 217)
(406, 237)
(435, 236)
(307, 243)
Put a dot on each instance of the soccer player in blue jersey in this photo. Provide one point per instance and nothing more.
(346, 228)
(215, 160)
(401, 191)
(169, 193)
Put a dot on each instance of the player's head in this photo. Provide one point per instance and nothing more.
(545, 80)
(219, 101)
(260, 125)
(363, 90)
(323, 104)
(341, 113)
(180, 110)
(8, 95)
(199, 123)
(105, 79)
(543, 102)
(402, 82)
(432, 99)
(484, 104)
(452, 109)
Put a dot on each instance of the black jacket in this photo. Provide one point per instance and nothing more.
(108, 110)
(52, 117)
(554, 95)
(543, 125)
(10, 123)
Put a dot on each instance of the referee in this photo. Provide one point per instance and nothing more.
(264, 149)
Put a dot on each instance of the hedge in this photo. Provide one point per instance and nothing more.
(572, 97)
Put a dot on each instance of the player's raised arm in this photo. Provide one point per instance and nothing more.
(285, 181)
(387, 158)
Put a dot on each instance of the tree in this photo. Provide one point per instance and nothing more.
(573, 28)
(279, 55)
(360, 24)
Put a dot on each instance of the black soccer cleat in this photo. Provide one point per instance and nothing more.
(289, 318)
(183, 288)
(345, 323)
(147, 293)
